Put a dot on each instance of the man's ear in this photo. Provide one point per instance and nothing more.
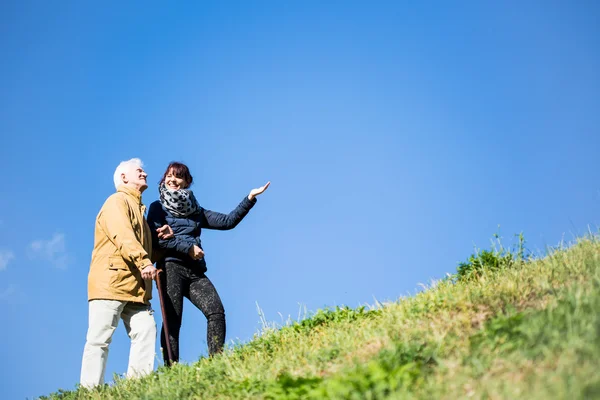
(123, 178)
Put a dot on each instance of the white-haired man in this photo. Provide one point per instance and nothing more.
(120, 278)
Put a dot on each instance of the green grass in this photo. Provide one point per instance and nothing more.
(530, 330)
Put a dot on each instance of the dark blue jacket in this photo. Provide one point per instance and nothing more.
(187, 230)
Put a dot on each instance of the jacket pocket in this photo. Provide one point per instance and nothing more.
(117, 263)
(121, 277)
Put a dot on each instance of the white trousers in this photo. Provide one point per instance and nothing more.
(104, 316)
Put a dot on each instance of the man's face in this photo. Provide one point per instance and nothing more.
(135, 177)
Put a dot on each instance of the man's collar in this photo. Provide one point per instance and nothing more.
(130, 191)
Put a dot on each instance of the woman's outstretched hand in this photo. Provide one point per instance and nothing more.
(257, 191)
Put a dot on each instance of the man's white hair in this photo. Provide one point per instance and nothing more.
(125, 167)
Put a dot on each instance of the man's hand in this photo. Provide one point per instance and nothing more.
(257, 191)
(196, 253)
(165, 232)
(149, 272)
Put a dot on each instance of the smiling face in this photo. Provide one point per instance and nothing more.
(177, 176)
(174, 182)
(135, 177)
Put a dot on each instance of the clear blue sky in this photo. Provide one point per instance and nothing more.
(397, 136)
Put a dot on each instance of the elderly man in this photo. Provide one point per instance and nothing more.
(120, 278)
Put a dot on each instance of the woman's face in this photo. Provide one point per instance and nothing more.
(174, 183)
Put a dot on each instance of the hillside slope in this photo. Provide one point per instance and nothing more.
(530, 331)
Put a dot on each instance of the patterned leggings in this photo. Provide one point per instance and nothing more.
(179, 282)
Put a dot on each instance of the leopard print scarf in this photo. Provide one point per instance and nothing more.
(180, 202)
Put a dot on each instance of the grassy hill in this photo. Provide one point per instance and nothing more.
(504, 327)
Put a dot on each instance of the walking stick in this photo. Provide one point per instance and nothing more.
(164, 316)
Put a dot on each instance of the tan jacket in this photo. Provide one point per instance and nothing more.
(122, 248)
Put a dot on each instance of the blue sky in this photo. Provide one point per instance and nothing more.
(397, 137)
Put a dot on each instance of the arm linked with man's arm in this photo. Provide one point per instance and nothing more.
(115, 221)
(156, 219)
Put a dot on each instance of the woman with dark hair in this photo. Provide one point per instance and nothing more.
(183, 258)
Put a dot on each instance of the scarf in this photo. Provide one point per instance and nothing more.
(180, 202)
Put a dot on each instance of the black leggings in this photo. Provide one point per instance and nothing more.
(179, 282)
